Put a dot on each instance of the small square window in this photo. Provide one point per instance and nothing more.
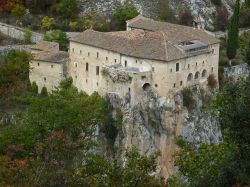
(181, 83)
(174, 85)
(88, 53)
(52, 66)
(76, 65)
(44, 78)
(115, 60)
(107, 58)
(38, 64)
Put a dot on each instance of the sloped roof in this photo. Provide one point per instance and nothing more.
(160, 43)
(53, 57)
(45, 46)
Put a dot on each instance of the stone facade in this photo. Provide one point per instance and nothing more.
(129, 62)
(162, 76)
(48, 68)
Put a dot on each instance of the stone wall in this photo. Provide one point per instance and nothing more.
(5, 49)
(18, 33)
(237, 71)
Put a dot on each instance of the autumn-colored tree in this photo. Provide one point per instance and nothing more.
(47, 23)
(6, 5)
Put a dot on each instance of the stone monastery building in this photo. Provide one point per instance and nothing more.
(148, 55)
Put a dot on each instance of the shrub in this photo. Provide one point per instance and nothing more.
(44, 92)
(216, 2)
(18, 11)
(211, 81)
(59, 37)
(47, 23)
(27, 36)
(188, 98)
(34, 88)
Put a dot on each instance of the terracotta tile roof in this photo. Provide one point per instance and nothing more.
(157, 44)
(53, 57)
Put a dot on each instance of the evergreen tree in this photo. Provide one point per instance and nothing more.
(233, 32)
(44, 92)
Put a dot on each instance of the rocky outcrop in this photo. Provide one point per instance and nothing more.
(155, 123)
(150, 8)
(235, 72)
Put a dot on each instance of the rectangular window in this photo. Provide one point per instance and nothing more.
(174, 85)
(177, 67)
(44, 79)
(73, 50)
(97, 70)
(80, 52)
(115, 60)
(87, 66)
(52, 66)
(107, 58)
(188, 66)
(38, 64)
(126, 63)
(181, 83)
(97, 54)
(88, 53)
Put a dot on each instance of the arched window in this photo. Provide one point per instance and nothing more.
(204, 73)
(146, 86)
(197, 75)
(190, 77)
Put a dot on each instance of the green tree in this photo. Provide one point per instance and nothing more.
(225, 164)
(52, 145)
(34, 88)
(247, 53)
(18, 11)
(166, 12)
(59, 37)
(68, 9)
(47, 23)
(233, 33)
(27, 36)
(125, 13)
(44, 92)
(14, 73)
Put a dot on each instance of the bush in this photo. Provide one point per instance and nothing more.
(34, 88)
(59, 37)
(211, 81)
(44, 92)
(216, 2)
(188, 98)
(18, 11)
(27, 36)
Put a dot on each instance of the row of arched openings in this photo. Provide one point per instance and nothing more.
(197, 75)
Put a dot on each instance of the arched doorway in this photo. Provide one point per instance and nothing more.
(190, 77)
(146, 87)
(204, 73)
(197, 75)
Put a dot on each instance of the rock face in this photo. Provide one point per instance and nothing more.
(151, 8)
(155, 123)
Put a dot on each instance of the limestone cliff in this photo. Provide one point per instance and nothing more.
(156, 122)
(150, 8)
